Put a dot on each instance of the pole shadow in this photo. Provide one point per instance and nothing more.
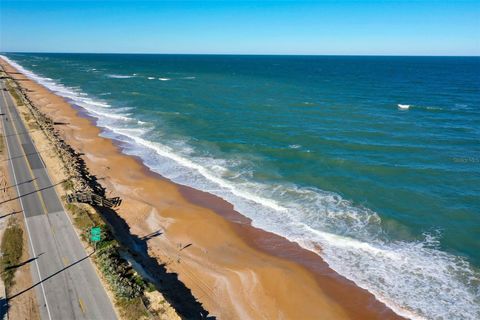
(10, 214)
(49, 277)
(33, 192)
(23, 156)
(20, 133)
(19, 184)
(175, 292)
(151, 235)
(22, 263)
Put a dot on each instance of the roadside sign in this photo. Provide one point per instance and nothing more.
(95, 234)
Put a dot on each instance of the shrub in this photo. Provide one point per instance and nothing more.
(14, 94)
(67, 185)
(119, 274)
(12, 249)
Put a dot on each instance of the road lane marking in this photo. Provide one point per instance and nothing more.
(82, 306)
(101, 287)
(23, 210)
(39, 192)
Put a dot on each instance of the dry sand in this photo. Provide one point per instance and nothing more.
(236, 271)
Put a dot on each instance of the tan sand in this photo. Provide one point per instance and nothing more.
(233, 269)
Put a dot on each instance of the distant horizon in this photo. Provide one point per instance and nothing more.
(242, 54)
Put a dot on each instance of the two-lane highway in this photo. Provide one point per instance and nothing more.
(66, 283)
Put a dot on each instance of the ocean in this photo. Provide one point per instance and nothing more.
(313, 148)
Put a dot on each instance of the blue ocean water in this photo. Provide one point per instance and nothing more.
(314, 149)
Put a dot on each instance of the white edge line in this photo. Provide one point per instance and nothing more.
(71, 223)
(73, 227)
(23, 210)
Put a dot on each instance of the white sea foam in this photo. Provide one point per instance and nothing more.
(119, 76)
(151, 78)
(294, 146)
(414, 278)
(163, 79)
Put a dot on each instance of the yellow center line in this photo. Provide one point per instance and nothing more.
(40, 196)
(81, 304)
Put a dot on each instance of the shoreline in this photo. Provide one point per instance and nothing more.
(243, 257)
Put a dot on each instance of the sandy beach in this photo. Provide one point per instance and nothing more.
(234, 270)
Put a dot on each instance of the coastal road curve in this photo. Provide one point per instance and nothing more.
(65, 281)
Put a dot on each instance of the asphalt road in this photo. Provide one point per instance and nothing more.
(65, 281)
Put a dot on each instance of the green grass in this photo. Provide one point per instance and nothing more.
(32, 124)
(123, 280)
(81, 219)
(27, 116)
(150, 287)
(14, 94)
(2, 145)
(11, 249)
(127, 286)
(132, 309)
(84, 219)
(67, 185)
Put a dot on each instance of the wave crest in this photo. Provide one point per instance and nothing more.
(414, 278)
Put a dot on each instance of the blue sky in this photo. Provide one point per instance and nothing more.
(256, 27)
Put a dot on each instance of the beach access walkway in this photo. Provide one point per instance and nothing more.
(64, 279)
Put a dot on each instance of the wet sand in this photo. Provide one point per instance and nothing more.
(235, 270)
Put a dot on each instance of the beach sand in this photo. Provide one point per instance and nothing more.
(234, 270)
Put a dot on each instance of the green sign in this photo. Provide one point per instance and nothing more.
(95, 234)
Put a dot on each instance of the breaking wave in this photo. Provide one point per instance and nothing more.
(119, 76)
(416, 279)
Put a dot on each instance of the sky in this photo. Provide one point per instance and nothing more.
(242, 27)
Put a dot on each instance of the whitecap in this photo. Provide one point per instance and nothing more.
(119, 76)
(414, 278)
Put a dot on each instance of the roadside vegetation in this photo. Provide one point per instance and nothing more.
(14, 93)
(127, 286)
(67, 185)
(11, 251)
(2, 143)
(30, 121)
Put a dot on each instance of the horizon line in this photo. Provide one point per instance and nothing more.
(247, 54)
